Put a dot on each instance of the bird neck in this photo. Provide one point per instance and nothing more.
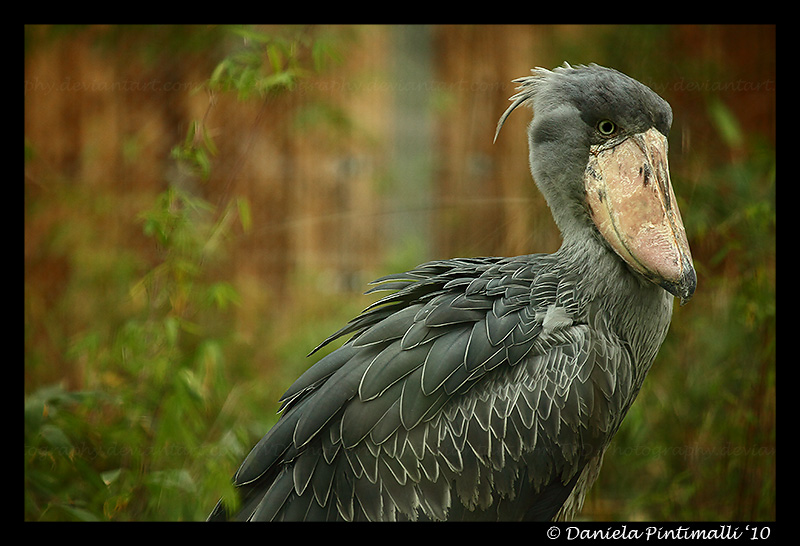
(635, 309)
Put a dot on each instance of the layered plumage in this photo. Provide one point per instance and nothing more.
(484, 388)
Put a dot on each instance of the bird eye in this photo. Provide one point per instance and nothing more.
(606, 127)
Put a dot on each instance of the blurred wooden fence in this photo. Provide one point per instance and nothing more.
(396, 140)
(393, 143)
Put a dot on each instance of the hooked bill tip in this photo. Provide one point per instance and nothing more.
(684, 287)
(689, 284)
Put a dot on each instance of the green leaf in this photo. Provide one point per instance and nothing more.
(56, 438)
(275, 56)
(322, 51)
(222, 294)
(727, 125)
(216, 76)
(193, 384)
(210, 354)
(110, 476)
(245, 215)
(171, 329)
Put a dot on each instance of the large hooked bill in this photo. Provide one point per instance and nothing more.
(630, 199)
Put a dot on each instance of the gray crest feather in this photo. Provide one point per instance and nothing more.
(527, 90)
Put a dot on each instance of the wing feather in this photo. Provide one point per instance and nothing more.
(445, 357)
(476, 388)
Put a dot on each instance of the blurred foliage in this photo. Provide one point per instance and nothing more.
(158, 425)
(163, 395)
(269, 63)
(144, 434)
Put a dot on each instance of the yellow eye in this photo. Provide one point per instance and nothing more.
(606, 127)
